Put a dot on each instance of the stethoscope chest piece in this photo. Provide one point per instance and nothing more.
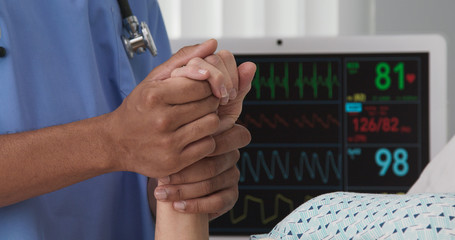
(140, 37)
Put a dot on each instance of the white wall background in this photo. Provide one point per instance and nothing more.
(292, 18)
(256, 18)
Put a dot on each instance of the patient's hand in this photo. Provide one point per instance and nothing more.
(241, 78)
(209, 187)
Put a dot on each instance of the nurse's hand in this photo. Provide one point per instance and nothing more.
(166, 123)
(163, 126)
(211, 184)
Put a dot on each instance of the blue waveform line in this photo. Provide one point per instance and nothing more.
(312, 167)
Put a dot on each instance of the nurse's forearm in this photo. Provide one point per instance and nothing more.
(37, 162)
(171, 225)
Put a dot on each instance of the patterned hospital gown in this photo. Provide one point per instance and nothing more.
(344, 215)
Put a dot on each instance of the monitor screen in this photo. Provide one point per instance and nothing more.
(357, 114)
(325, 123)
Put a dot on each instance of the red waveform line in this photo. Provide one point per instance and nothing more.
(277, 120)
(315, 119)
(263, 120)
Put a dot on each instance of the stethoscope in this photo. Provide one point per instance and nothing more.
(140, 37)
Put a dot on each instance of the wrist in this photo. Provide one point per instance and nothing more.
(102, 135)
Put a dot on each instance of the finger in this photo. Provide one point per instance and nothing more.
(183, 192)
(196, 151)
(216, 78)
(204, 169)
(215, 205)
(196, 130)
(230, 112)
(226, 82)
(246, 74)
(181, 90)
(231, 66)
(186, 113)
(190, 154)
(181, 58)
(231, 139)
(192, 72)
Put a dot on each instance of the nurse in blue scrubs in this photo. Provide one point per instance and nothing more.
(84, 129)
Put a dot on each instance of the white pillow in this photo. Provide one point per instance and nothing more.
(439, 175)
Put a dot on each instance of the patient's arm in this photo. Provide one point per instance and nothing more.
(171, 225)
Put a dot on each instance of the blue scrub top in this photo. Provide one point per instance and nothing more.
(65, 62)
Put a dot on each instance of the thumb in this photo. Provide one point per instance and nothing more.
(246, 74)
(182, 57)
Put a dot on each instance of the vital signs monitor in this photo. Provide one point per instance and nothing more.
(357, 113)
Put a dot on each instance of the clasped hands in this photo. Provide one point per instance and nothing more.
(178, 126)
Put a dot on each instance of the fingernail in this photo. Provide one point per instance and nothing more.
(165, 180)
(233, 94)
(223, 91)
(160, 194)
(180, 205)
(202, 71)
(224, 100)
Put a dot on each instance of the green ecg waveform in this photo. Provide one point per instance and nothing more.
(264, 219)
(314, 81)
